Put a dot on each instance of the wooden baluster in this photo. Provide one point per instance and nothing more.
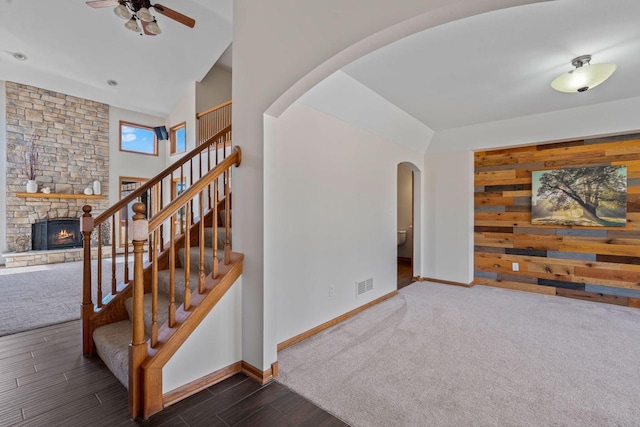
(201, 246)
(138, 348)
(126, 251)
(214, 271)
(172, 271)
(99, 273)
(187, 262)
(161, 207)
(227, 219)
(150, 214)
(154, 289)
(99, 260)
(217, 145)
(209, 168)
(114, 281)
(181, 209)
(200, 165)
(190, 206)
(86, 227)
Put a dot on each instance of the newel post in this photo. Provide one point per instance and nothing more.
(86, 309)
(138, 346)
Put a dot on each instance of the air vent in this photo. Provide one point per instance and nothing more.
(364, 286)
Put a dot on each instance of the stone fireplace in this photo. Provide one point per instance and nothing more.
(72, 140)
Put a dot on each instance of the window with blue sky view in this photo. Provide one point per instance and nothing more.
(138, 139)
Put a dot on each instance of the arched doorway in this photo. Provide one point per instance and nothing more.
(407, 232)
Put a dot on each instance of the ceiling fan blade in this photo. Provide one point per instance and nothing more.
(176, 16)
(102, 3)
(144, 28)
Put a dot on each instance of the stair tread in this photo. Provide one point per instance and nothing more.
(208, 236)
(164, 279)
(112, 344)
(163, 311)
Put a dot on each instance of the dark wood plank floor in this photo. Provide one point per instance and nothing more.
(405, 275)
(45, 381)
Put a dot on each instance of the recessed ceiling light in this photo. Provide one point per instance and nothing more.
(112, 83)
(19, 56)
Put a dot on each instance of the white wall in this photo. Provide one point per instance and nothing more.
(608, 118)
(272, 68)
(405, 205)
(214, 89)
(330, 217)
(448, 228)
(184, 111)
(3, 169)
(214, 345)
(345, 98)
(131, 164)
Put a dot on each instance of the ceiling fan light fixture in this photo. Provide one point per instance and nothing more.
(132, 25)
(153, 28)
(584, 77)
(144, 14)
(122, 11)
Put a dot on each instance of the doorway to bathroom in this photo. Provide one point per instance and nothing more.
(406, 207)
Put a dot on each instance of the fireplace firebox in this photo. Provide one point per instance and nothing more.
(56, 234)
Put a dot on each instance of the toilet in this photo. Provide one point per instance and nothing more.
(402, 237)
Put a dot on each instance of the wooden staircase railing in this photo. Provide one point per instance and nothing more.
(101, 231)
(147, 358)
(210, 122)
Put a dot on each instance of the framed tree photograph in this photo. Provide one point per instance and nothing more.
(588, 196)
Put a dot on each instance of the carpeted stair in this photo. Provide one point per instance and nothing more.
(112, 341)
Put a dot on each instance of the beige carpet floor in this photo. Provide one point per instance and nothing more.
(43, 295)
(439, 355)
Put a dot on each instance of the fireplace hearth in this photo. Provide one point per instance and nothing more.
(56, 234)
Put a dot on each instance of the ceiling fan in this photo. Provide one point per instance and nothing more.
(135, 11)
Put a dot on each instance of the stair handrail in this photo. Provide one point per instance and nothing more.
(234, 159)
(134, 195)
(212, 109)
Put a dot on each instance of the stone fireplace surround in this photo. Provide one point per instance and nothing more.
(73, 150)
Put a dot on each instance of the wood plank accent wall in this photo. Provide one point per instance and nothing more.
(590, 263)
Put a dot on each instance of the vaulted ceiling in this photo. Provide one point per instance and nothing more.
(485, 68)
(74, 49)
(500, 65)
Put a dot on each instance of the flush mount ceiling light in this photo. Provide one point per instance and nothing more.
(112, 83)
(19, 56)
(138, 16)
(584, 77)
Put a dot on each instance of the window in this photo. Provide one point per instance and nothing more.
(138, 139)
(127, 186)
(179, 185)
(178, 138)
(177, 188)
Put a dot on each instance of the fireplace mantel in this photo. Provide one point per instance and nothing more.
(60, 196)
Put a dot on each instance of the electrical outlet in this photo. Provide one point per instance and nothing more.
(515, 266)
(332, 290)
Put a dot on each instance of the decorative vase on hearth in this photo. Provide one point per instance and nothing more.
(32, 186)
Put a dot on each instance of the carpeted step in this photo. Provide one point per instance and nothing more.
(112, 343)
(163, 283)
(208, 237)
(163, 311)
(195, 258)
